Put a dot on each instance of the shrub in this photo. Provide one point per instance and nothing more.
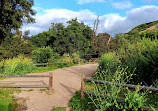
(19, 65)
(75, 57)
(143, 57)
(42, 55)
(109, 61)
(113, 98)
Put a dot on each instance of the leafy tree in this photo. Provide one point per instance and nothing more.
(75, 37)
(13, 14)
(11, 47)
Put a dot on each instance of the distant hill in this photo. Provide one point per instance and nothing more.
(144, 27)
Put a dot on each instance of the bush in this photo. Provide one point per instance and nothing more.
(113, 98)
(142, 56)
(19, 65)
(42, 55)
(75, 57)
(109, 61)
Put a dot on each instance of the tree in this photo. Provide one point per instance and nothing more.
(14, 46)
(75, 37)
(13, 14)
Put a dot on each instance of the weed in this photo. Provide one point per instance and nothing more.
(59, 109)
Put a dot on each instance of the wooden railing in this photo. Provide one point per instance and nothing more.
(48, 64)
(68, 63)
(131, 86)
(44, 85)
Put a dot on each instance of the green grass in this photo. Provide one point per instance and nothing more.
(6, 99)
(1, 78)
(44, 69)
(59, 109)
(51, 68)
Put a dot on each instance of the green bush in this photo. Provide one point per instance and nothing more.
(75, 57)
(109, 61)
(113, 98)
(79, 104)
(42, 55)
(141, 56)
(19, 65)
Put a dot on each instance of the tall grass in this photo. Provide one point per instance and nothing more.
(140, 56)
(19, 65)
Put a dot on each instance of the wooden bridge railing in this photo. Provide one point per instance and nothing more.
(44, 85)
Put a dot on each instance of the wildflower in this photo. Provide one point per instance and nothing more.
(150, 91)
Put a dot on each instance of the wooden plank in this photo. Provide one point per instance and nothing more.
(44, 83)
(40, 64)
(19, 81)
(23, 86)
(59, 63)
(24, 75)
(124, 85)
(50, 63)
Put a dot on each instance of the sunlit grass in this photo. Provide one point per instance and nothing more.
(6, 99)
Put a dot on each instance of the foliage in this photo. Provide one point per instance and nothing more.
(20, 65)
(113, 98)
(78, 104)
(75, 37)
(109, 61)
(12, 47)
(13, 14)
(42, 55)
(141, 56)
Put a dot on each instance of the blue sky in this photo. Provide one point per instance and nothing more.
(116, 16)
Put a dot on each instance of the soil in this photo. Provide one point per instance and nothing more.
(66, 81)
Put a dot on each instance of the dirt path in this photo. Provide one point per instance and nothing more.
(65, 83)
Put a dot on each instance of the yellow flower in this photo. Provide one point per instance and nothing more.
(150, 91)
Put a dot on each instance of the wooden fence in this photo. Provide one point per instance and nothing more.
(69, 63)
(83, 92)
(48, 64)
(44, 85)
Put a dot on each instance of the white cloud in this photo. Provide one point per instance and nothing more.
(89, 1)
(110, 23)
(122, 5)
(44, 20)
(113, 23)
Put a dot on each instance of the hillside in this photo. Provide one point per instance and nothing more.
(144, 27)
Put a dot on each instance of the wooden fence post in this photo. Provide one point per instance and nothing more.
(82, 86)
(79, 61)
(50, 81)
(47, 64)
(69, 63)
